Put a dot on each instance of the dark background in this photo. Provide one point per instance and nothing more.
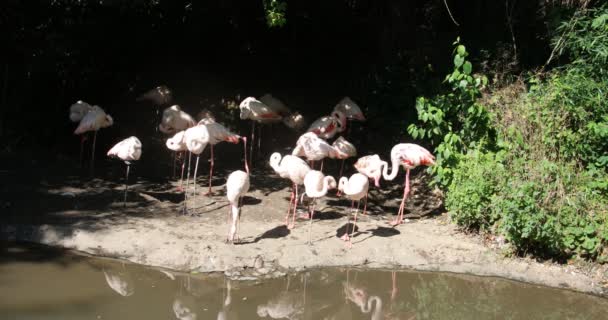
(381, 53)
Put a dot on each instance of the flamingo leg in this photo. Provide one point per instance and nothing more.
(312, 213)
(289, 209)
(238, 220)
(173, 174)
(181, 179)
(259, 141)
(187, 182)
(124, 202)
(195, 172)
(341, 168)
(345, 236)
(295, 207)
(322, 160)
(210, 171)
(365, 204)
(93, 152)
(252, 143)
(350, 239)
(394, 283)
(406, 191)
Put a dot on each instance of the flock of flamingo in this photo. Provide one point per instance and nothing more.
(187, 134)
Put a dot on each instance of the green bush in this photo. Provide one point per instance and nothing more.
(475, 182)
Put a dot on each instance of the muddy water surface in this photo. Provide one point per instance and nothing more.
(44, 283)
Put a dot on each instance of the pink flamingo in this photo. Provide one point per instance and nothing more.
(217, 134)
(350, 109)
(294, 169)
(77, 111)
(347, 150)
(177, 143)
(371, 166)
(312, 147)
(354, 188)
(257, 111)
(409, 156)
(93, 120)
(196, 139)
(127, 150)
(174, 120)
(316, 185)
(326, 127)
(236, 187)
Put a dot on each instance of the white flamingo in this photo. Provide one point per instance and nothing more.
(257, 111)
(177, 143)
(346, 149)
(127, 150)
(354, 188)
(313, 148)
(350, 109)
(93, 120)
(196, 139)
(316, 186)
(409, 156)
(294, 169)
(236, 187)
(326, 127)
(371, 166)
(174, 120)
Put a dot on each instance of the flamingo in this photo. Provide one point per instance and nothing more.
(294, 121)
(326, 127)
(217, 134)
(236, 186)
(196, 139)
(160, 95)
(371, 166)
(354, 188)
(294, 169)
(312, 147)
(177, 143)
(347, 150)
(316, 186)
(257, 111)
(174, 120)
(360, 297)
(77, 111)
(93, 120)
(410, 156)
(350, 109)
(127, 150)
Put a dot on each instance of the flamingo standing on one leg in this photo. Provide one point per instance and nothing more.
(410, 156)
(177, 143)
(257, 111)
(196, 139)
(217, 134)
(355, 188)
(94, 120)
(294, 169)
(312, 147)
(316, 185)
(347, 150)
(326, 127)
(77, 111)
(175, 120)
(236, 186)
(127, 150)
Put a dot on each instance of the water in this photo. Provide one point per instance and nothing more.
(43, 283)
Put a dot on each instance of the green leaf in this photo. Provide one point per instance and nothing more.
(463, 83)
(458, 60)
(461, 50)
(467, 67)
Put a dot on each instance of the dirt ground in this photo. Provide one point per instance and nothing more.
(52, 203)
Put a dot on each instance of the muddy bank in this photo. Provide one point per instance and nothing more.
(70, 212)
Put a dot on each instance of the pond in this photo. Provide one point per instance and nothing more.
(46, 283)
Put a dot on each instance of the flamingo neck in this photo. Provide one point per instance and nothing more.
(394, 169)
(245, 154)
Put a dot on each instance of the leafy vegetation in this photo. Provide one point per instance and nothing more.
(529, 161)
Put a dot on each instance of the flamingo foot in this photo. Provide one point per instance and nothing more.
(345, 237)
(291, 226)
(179, 189)
(349, 244)
(396, 222)
(304, 215)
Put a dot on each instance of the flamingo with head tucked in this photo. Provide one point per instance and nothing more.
(316, 185)
(409, 156)
(294, 169)
(177, 143)
(347, 150)
(313, 148)
(174, 120)
(93, 120)
(350, 109)
(354, 188)
(326, 127)
(77, 111)
(127, 150)
(257, 111)
(217, 133)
